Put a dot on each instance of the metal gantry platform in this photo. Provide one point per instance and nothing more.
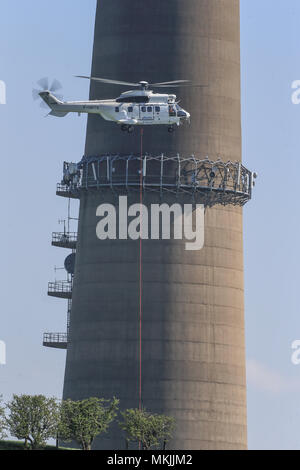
(209, 182)
(204, 181)
(55, 340)
(64, 240)
(70, 192)
(60, 289)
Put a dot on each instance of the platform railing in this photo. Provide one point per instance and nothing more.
(208, 181)
(60, 287)
(55, 340)
(64, 238)
(71, 191)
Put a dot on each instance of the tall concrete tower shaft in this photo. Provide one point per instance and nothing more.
(192, 362)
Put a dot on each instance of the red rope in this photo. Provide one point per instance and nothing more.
(140, 280)
(141, 276)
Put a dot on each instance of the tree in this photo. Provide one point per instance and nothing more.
(33, 418)
(82, 421)
(2, 420)
(151, 430)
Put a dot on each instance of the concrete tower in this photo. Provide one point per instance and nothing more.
(192, 363)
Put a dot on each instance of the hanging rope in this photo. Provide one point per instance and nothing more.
(140, 275)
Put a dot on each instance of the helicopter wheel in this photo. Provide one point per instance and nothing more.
(130, 129)
(124, 128)
(171, 129)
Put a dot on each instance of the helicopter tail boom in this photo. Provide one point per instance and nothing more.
(49, 99)
(54, 104)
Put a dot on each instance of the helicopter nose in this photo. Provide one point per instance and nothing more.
(182, 114)
(188, 117)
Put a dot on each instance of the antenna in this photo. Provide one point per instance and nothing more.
(55, 270)
(63, 221)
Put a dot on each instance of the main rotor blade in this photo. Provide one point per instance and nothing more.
(44, 83)
(169, 83)
(106, 80)
(179, 86)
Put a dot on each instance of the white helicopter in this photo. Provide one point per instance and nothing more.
(132, 108)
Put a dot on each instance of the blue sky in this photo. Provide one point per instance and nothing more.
(37, 41)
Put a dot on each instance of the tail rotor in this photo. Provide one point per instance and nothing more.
(43, 84)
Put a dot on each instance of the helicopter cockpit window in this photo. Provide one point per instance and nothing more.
(180, 112)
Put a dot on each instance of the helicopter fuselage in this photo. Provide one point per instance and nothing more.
(132, 108)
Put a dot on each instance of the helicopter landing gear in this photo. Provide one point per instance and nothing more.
(126, 128)
(171, 129)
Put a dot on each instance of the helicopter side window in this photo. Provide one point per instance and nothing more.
(157, 109)
(130, 109)
(124, 100)
(133, 99)
(149, 109)
(143, 109)
(172, 111)
(140, 99)
(117, 109)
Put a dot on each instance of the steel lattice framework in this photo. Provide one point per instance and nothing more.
(206, 181)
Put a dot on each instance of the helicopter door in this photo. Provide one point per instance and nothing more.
(172, 111)
(147, 113)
